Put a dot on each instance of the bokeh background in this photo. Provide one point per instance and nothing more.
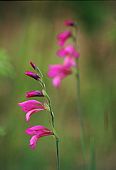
(28, 32)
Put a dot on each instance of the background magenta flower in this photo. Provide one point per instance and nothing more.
(69, 23)
(37, 132)
(69, 62)
(35, 93)
(31, 106)
(69, 50)
(62, 37)
(58, 72)
(33, 75)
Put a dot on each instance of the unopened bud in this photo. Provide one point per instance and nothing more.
(69, 23)
(35, 93)
(33, 65)
(33, 75)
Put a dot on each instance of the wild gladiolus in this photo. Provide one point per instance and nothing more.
(68, 50)
(31, 106)
(58, 72)
(63, 37)
(37, 132)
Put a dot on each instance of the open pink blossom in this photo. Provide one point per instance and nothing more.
(62, 37)
(31, 106)
(58, 72)
(69, 50)
(69, 62)
(37, 132)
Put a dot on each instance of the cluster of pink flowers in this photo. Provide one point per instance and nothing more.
(67, 51)
(33, 106)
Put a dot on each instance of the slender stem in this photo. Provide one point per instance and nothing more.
(80, 118)
(53, 126)
(57, 153)
(79, 103)
(55, 134)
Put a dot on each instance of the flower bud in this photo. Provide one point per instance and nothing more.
(33, 65)
(35, 93)
(69, 23)
(33, 75)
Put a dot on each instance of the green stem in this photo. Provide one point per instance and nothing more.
(54, 131)
(83, 146)
(57, 153)
(80, 118)
(56, 137)
(52, 116)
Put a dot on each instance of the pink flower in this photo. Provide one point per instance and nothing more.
(35, 93)
(69, 23)
(58, 72)
(62, 37)
(33, 75)
(37, 132)
(30, 107)
(69, 50)
(69, 62)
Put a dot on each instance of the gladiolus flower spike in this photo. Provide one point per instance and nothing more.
(33, 106)
(58, 72)
(69, 54)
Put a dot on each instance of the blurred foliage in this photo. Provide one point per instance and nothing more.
(6, 69)
(28, 32)
(2, 131)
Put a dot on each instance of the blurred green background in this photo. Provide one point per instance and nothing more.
(28, 32)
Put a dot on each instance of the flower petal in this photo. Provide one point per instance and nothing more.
(69, 62)
(63, 37)
(28, 114)
(30, 105)
(33, 141)
(54, 69)
(34, 130)
(69, 50)
(57, 81)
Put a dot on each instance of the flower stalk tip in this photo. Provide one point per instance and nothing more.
(69, 23)
(33, 65)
